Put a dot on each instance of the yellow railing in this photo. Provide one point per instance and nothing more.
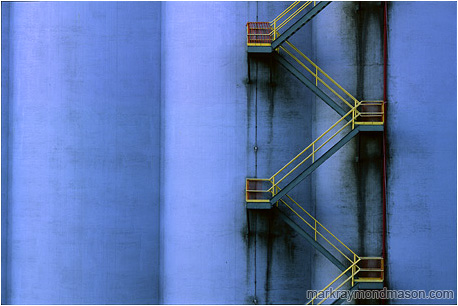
(255, 194)
(320, 230)
(355, 276)
(319, 79)
(371, 113)
(286, 16)
(313, 148)
(258, 34)
(357, 265)
(354, 271)
(360, 113)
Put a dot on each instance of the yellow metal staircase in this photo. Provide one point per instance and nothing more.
(357, 113)
(360, 269)
(266, 192)
(255, 192)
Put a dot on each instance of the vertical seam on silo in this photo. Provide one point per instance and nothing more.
(161, 159)
(5, 141)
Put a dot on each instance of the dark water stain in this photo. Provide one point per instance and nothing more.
(358, 19)
(272, 237)
(369, 162)
(248, 78)
(249, 239)
(276, 235)
(247, 233)
(248, 86)
(360, 49)
(361, 196)
(269, 257)
(266, 87)
(270, 111)
(270, 97)
(365, 13)
(389, 158)
(250, 299)
(264, 231)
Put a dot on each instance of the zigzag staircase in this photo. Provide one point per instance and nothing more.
(355, 117)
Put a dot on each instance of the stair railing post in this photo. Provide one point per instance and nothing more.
(275, 29)
(316, 76)
(353, 271)
(273, 186)
(276, 191)
(313, 152)
(315, 229)
(353, 113)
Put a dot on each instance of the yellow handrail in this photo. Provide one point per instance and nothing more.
(318, 223)
(352, 276)
(321, 70)
(355, 113)
(316, 75)
(318, 232)
(249, 191)
(285, 22)
(313, 145)
(373, 114)
(289, 8)
(355, 269)
(354, 263)
(274, 22)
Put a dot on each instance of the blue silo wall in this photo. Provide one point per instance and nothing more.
(83, 153)
(347, 188)
(422, 147)
(215, 113)
(128, 130)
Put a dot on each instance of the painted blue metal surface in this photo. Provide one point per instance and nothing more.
(213, 119)
(347, 188)
(422, 148)
(5, 128)
(311, 85)
(83, 153)
(309, 170)
(312, 241)
(110, 110)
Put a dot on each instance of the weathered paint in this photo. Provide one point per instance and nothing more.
(91, 85)
(214, 117)
(347, 188)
